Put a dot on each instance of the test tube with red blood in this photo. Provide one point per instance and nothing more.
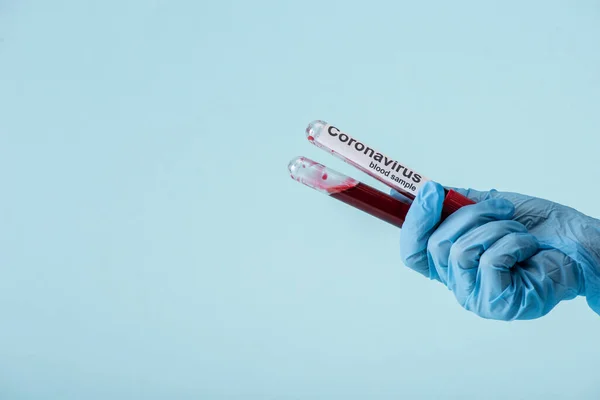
(348, 190)
(387, 170)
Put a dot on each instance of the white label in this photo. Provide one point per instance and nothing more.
(381, 167)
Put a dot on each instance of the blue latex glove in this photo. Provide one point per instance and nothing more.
(507, 257)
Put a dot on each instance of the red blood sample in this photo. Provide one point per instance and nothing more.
(374, 202)
(348, 190)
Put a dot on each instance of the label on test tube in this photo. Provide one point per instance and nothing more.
(386, 169)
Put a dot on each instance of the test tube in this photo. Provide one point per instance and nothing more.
(348, 190)
(378, 165)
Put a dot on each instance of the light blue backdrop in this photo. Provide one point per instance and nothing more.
(152, 245)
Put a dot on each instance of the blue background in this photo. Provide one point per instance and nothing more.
(153, 246)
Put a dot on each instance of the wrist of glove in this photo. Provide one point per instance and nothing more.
(509, 256)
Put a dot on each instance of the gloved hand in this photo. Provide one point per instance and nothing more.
(509, 256)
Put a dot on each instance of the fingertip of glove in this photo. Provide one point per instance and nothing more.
(431, 196)
(431, 188)
(503, 207)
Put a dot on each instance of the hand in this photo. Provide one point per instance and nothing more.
(509, 256)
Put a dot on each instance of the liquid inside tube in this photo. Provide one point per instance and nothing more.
(348, 190)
